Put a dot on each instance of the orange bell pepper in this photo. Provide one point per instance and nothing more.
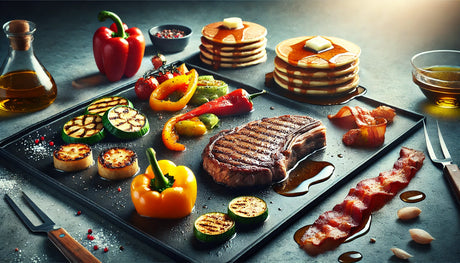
(158, 99)
(164, 190)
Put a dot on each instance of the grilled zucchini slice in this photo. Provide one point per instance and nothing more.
(101, 105)
(117, 163)
(125, 122)
(214, 227)
(73, 157)
(87, 128)
(248, 210)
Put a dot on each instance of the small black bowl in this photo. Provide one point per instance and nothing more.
(170, 45)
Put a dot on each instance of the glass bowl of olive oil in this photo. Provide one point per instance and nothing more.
(437, 73)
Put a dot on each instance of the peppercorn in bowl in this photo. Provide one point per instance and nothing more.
(170, 38)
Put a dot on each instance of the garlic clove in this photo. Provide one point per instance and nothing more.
(400, 253)
(410, 212)
(420, 236)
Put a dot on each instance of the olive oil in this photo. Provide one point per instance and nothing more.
(440, 84)
(26, 91)
(25, 84)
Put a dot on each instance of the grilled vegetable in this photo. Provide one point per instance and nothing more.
(73, 157)
(208, 89)
(117, 163)
(164, 190)
(86, 128)
(248, 210)
(191, 127)
(185, 84)
(214, 227)
(210, 120)
(125, 122)
(101, 105)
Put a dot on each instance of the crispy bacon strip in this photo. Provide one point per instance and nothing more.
(366, 128)
(333, 227)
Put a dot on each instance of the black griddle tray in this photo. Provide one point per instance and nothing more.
(175, 237)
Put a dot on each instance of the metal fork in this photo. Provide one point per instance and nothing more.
(450, 170)
(68, 246)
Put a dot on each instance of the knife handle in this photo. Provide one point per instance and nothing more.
(70, 247)
(453, 177)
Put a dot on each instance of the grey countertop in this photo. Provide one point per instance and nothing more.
(389, 34)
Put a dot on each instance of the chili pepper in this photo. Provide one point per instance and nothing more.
(164, 190)
(158, 99)
(117, 52)
(236, 102)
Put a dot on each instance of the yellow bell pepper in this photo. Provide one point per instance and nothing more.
(159, 98)
(191, 127)
(164, 190)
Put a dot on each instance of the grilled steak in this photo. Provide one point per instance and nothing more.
(261, 152)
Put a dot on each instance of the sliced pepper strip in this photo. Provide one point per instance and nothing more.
(158, 99)
(154, 196)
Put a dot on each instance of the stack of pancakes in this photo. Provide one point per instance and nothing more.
(233, 48)
(331, 72)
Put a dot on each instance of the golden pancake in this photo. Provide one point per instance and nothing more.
(232, 54)
(333, 90)
(232, 59)
(232, 47)
(315, 82)
(293, 52)
(217, 64)
(250, 32)
(284, 67)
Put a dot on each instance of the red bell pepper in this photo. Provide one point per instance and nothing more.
(117, 52)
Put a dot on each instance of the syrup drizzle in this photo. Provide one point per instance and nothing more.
(306, 173)
(299, 53)
(413, 196)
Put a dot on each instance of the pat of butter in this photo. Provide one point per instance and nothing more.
(318, 44)
(233, 22)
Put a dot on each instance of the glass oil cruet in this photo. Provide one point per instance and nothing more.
(25, 85)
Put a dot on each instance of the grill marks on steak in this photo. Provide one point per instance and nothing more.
(262, 151)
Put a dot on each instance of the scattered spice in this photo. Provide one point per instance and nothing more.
(42, 138)
(78, 212)
(16, 249)
(119, 189)
(90, 231)
(51, 143)
(37, 141)
(90, 237)
(106, 249)
(372, 240)
(96, 247)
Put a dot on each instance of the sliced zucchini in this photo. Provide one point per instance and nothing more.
(87, 128)
(125, 122)
(248, 210)
(117, 163)
(214, 227)
(72, 157)
(101, 105)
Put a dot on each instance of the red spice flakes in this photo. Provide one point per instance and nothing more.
(170, 33)
(106, 249)
(96, 247)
